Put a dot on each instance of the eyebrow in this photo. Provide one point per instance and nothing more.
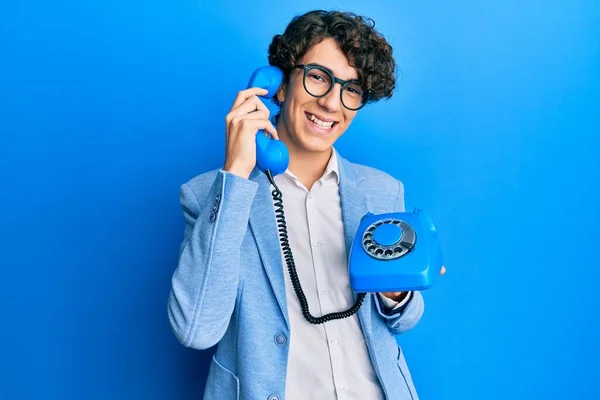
(331, 72)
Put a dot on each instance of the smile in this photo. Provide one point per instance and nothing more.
(320, 123)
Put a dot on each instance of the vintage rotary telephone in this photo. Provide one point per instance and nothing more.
(393, 252)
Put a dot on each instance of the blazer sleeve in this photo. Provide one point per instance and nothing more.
(204, 285)
(401, 321)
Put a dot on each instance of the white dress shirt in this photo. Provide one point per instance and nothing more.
(330, 360)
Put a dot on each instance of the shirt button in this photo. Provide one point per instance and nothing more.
(309, 196)
(280, 339)
(342, 388)
(324, 292)
(317, 244)
(333, 341)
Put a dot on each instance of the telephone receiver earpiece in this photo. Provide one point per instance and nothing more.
(271, 154)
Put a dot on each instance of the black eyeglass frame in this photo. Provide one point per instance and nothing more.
(307, 67)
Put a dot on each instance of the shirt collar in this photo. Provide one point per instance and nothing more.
(331, 171)
(332, 167)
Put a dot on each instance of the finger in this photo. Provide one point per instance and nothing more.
(243, 95)
(237, 120)
(237, 124)
(251, 105)
(257, 125)
(269, 128)
(246, 110)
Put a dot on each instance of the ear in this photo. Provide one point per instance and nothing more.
(281, 92)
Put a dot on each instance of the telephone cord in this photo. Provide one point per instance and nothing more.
(289, 259)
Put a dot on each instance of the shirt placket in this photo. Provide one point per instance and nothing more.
(324, 297)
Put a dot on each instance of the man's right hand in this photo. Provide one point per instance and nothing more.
(247, 116)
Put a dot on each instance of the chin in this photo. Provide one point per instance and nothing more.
(316, 143)
(317, 147)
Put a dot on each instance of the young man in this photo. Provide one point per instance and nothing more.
(232, 285)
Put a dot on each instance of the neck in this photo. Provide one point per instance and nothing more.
(307, 166)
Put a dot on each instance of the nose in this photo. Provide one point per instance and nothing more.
(331, 102)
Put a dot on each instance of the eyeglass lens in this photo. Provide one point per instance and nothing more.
(318, 82)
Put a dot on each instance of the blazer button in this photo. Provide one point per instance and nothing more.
(215, 207)
(273, 397)
(218, 198)
(212, 218)
(280, 339)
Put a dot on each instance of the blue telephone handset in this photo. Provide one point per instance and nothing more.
(395, 252)
(271, 154)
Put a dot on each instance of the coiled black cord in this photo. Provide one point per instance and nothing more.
(289, 259)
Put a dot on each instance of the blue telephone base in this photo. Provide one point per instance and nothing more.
(395, 252)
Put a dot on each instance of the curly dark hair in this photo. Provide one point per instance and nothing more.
(366, 49)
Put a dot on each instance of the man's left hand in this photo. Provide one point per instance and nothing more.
(399, 296)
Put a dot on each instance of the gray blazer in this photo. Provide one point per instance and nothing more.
(229, 286)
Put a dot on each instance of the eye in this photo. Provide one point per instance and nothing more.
(354, 90)
(318, 77)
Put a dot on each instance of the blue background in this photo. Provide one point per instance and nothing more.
(106, 107)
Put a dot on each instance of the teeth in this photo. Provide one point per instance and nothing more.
(319, 123)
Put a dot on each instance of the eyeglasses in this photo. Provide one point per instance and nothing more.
(318, 82)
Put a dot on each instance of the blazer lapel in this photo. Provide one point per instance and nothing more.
(354, 201)
(354, 206)
(264, 227)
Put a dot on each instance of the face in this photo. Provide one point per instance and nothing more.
(308, 124)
